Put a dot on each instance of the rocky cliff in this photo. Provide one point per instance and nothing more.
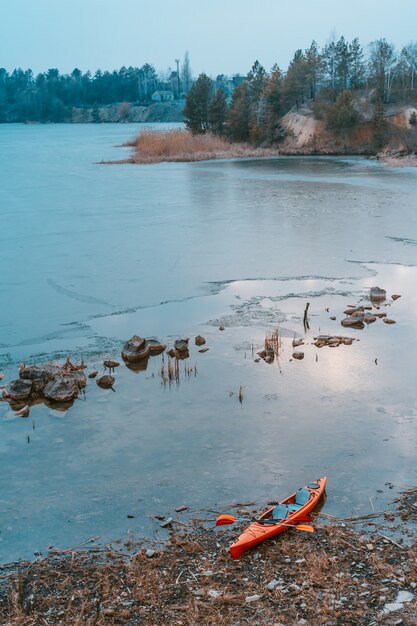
(307, 135)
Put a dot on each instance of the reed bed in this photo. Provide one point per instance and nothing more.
(181, 145)
(273, 342)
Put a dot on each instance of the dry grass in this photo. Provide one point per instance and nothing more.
(334, 576)
(181, 145)
(273, 342)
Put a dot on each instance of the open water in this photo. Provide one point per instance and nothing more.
(92, 254)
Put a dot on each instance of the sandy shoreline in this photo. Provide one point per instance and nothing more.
(341, 574)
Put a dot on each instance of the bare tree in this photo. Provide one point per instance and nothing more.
(383, 59)
(186, 75)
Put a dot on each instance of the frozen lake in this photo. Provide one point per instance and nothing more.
(92, 254)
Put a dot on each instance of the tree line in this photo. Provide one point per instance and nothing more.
(331, 80)
(50, 96)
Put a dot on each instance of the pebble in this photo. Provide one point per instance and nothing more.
(274, 583)
(181, 508)
(253, 598)
(166, 523)
(198, 592)
(398, 604)
(213, 593)
(208, 573)
(150, 553)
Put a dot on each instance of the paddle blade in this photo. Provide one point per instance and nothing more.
(225, 519)
(304, 527)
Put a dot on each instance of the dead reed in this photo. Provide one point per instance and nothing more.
(181, 145)
(272, 342)
(335, 576)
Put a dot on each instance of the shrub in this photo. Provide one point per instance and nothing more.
(342, 115)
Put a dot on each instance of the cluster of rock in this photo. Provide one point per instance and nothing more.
(138, 349)
(56, 383)
(358, 316)
(332, 341)
(50, 382)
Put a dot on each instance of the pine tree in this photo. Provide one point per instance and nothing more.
(357, 65)
(217, 113)
(342, 115)
(197, 105)
(314, 64)
(342, 63)
(295, 85)
(274, 106)
(239, 114)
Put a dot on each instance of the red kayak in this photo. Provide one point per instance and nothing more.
(290, 511)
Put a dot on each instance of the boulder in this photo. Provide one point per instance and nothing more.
(62, 389)
(298, 355)
(181, 349)
(40, 375)
(19, 389)
(135, 349)
(181, 345)
(369, 319)
(199, 340)
(377, 294)
(77, 377)
(387, 320)
(353, 322)
(105, 382)
(155, 346)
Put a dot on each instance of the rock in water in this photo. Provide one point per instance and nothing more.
(111, 364)
(199, 340)
(93, 374)
(298, 355)
(181, 349)
(62, 389)
(135, 349)
(105, 382)
(155, 346)
(19, 389)
(377, 294)
(395, 296)
(40, 375)
(387, 320)
(181, 345)
(369, 319)
(23, 412)
(353, 322)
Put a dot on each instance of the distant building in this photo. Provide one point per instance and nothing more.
(162, 96)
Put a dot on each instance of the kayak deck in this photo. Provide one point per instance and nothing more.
(287, 513)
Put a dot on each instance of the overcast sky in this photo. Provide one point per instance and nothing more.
(222, 36)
